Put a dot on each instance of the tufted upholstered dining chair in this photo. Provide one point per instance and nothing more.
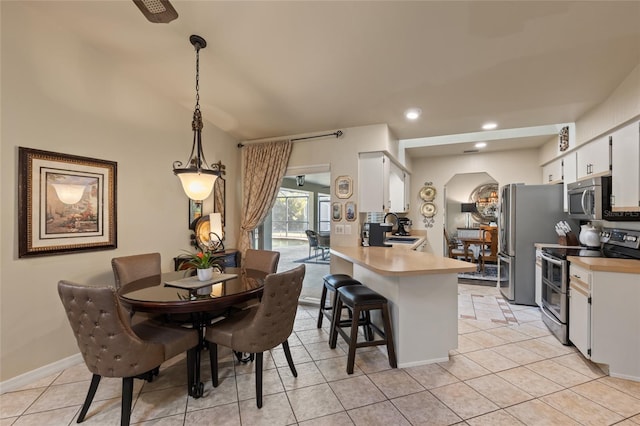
(261, 260)
(131, 268)
(127, 269)
(262, 327)
(111, 347)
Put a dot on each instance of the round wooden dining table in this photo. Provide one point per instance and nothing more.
(159, 295)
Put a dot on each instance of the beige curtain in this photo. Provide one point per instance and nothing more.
(263, 168)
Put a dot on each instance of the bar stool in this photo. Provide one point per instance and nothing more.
(361, 300)
(331, 283)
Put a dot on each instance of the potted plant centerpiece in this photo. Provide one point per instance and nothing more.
(204, 262)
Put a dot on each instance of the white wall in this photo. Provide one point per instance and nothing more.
(518, 166)
(342, 155)
(59, 94)
(620, 107)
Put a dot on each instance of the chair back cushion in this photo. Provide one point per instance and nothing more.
(261, 260)
(273, 320)
(108, 345)
(131, 268)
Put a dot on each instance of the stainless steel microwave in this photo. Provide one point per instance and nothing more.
(589, 199)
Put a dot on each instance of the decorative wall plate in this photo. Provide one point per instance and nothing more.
(428, 209)
(203, 227)
(427, 193)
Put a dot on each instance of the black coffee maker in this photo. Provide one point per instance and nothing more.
(377, 233)
(403, 224)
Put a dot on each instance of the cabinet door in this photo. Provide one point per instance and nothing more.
(407, 191)
(396, 188)
(371, 182)
(580, 319)
(625, 168)
(593, 158)
(569, 166)
(552, 172)
(580, 309)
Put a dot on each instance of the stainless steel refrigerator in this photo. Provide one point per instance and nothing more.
(527, 215)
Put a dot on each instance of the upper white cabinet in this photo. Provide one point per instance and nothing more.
(593, 158)
(382, 184)
(552, 172)
(625, 168)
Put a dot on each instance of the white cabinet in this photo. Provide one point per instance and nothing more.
(604, 318)
(538, 280)
(569, 166)
(593, 158)
(383, 184)
(580, 309)
(625, 168)
(407, 191)
(552, 172)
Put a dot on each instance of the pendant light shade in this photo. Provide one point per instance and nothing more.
(197, 186)
(197, 176)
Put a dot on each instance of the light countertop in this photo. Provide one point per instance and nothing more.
(554, 245)
(391, 261)
(604, 264)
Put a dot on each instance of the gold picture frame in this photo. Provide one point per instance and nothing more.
(336, 212)
(350, 212)
(344, 187)
(66, 203)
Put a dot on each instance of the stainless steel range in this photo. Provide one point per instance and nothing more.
(618, 243)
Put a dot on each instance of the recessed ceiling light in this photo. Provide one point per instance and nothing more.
(413, 113)
(480, 144)
(489, 126)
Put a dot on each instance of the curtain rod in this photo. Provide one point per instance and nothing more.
(337, 134)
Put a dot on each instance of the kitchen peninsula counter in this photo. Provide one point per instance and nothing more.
(422, 289)
(395, 261)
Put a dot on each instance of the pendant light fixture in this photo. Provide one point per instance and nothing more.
(196, 176)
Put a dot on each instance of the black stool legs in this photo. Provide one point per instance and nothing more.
(362, 300)
(331, 283)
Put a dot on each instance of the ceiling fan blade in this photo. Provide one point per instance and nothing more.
(157, 11)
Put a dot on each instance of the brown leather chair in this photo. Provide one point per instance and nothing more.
(127, 269)
(111, 347)
(261, 260)
(262, 327)
(131, 268)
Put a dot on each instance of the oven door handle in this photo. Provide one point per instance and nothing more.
(552, 260)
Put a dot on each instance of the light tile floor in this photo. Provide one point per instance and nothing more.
(507, 370)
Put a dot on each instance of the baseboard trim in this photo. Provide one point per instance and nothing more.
(39, 373)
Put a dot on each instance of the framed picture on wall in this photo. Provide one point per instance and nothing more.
(350, 211)
(344, 187)
(336, 211)
(195, 212)
(66, 203)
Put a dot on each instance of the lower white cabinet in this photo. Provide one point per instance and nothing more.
(604, 318)
(580, 310)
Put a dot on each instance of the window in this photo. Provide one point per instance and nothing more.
(290, 214)
(324, 213)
